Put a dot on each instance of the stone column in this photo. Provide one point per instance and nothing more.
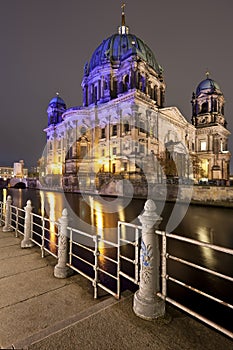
(7, 227)
(146, 303)
(26, 242)
(61, 270)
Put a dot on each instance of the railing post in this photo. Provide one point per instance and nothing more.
(1, 210)
(146, 303)
(61, 270)
(7, 227)
(95, 267)
(26, 242)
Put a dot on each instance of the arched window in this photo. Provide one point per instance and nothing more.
(126, 83)
(103, 135)
(114, 130)
(114, 89)
(204, 107)
(214, 106)
(126, 127)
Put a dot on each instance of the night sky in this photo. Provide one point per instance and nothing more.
(45, 44)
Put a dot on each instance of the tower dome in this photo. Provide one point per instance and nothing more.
(57, 101)
(55, 110)
(208, 86)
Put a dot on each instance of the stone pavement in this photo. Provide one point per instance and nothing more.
(38, 311)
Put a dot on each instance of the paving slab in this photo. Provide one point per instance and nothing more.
(20, 264)
(7, 241)
(20, 287)
(117, 327)
(34, 314)
(8, 252)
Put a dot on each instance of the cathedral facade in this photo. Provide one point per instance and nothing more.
(124, 131)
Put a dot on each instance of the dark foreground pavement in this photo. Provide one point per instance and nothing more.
(38, 311)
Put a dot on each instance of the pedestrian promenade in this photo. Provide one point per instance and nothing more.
(39, 311)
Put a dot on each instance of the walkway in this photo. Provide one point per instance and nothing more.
(38, 311)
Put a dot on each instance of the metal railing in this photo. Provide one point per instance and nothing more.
(17, 220)
(167, 277)
(85, 253)
(89, 256)
(88, 253)
(42, 233)
(129, 239)
(40, 228)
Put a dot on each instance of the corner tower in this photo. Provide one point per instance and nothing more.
(211, 131)
(55, 110)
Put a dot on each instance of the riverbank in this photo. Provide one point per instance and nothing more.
(214, 196)
(38, 311)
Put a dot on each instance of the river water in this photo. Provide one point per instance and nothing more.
(95, 214)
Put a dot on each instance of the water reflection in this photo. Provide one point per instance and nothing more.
(206, 234)
(103, 223)
(50, 207)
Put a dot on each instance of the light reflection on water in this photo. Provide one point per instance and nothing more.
(50, 206)
(206, 234)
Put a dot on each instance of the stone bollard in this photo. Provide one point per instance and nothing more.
(26, 242)
(61, 270)
(146, 303)
(7, 227)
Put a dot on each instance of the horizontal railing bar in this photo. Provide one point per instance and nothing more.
(34, 241)
(218, 274)
(107, 273)
(40, 226)
(108, 290)
(129, 224)
(37, 234)
(83, 246)
(128, 277)
(108, 258)
(198, 316)
(128, 242)
(83, 260)
(108, 242)
(49, 241)
(79, 271)
(127, 259)
(79, 232)
(17, 208)
(49, 251)
(199, 292)
(194, 241)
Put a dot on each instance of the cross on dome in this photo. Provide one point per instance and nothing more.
(123, 29)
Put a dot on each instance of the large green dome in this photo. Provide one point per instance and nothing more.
(120, 46)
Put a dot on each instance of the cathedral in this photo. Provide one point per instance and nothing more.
(124, 131)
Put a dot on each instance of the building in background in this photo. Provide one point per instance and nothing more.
(13, 175)
(124, 131)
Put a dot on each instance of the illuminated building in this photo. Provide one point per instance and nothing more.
(211, 132)
(124, 131)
